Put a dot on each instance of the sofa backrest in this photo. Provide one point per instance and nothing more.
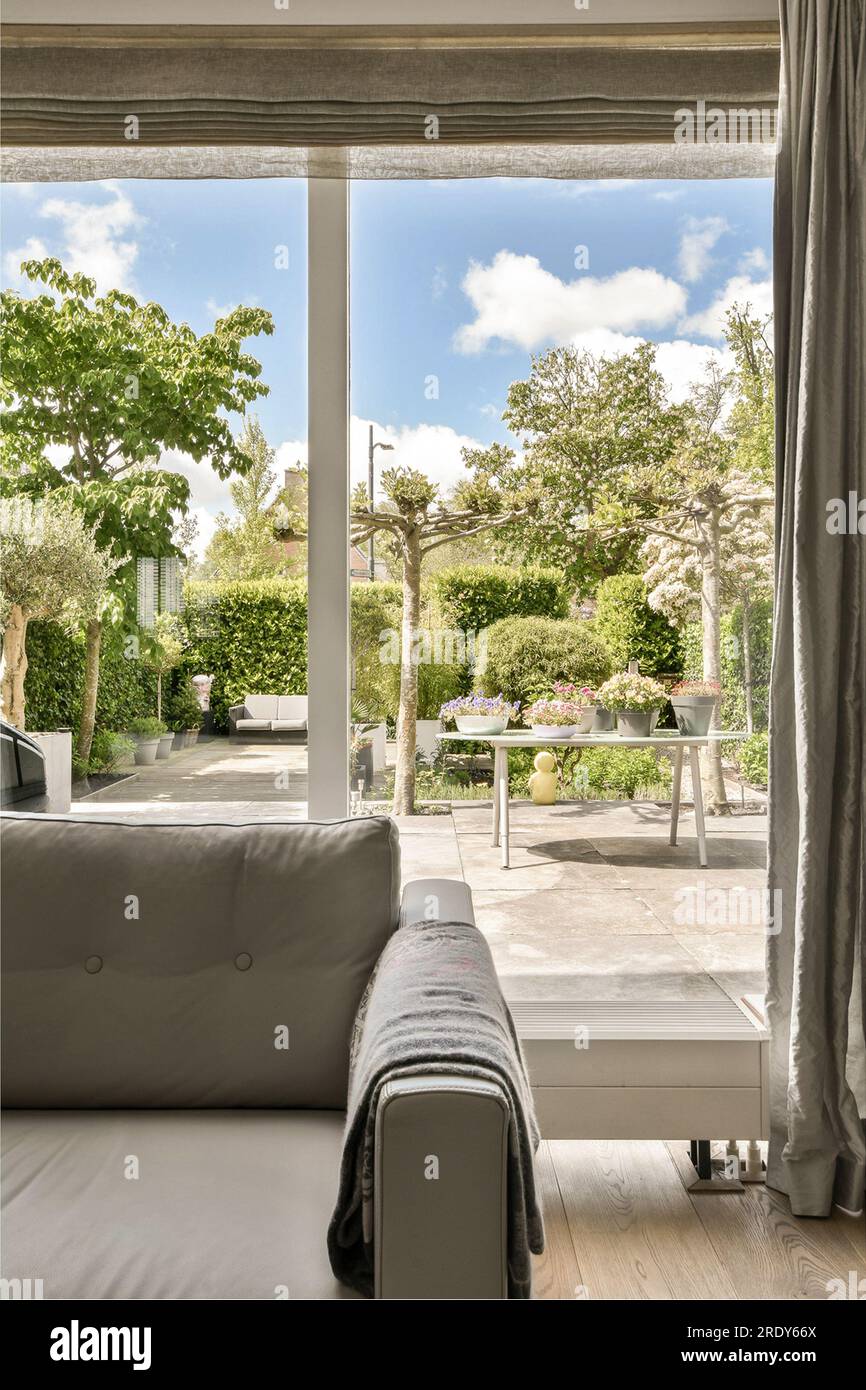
(292, 707)
(262, 706)
(193, 965)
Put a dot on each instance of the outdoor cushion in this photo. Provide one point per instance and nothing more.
(292, 707)
(227, 1204)
(202, 964)
(287, 726)
(261, 706)
(250, 724)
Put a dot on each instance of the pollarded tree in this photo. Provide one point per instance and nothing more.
(414, 522)
(163, 648)
(115, 382)
(50, 568)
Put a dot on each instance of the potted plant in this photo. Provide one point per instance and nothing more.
(554, 718)
(636, 701)
(146, 734)
(479, 714)
(184, 715)
(585, 697)
(362, 757)
(693, 704)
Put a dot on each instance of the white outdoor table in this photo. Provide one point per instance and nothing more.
(668, 740)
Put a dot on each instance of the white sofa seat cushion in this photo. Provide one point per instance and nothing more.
(251, 725)
(288, 726)
(232, 1204)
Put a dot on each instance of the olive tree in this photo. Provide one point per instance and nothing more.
(50, 567)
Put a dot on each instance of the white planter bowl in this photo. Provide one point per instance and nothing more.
(478, 724)
(554, 730)
(587, 720)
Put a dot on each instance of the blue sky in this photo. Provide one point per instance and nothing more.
(454, 284)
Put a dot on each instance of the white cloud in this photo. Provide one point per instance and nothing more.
(94, 238)
(680, 362)
(439, 283)
(518, 302)
(667, 195)
(221, 311)
(490, 410)
(32, 250)
(697, 243)
(433, 449)
(756, 259)
(740, 289)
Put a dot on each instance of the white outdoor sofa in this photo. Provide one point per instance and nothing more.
(266, 716)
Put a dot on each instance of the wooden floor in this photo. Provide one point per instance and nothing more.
(621, 1225)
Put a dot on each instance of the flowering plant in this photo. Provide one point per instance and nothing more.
(554, 712)
(630, 692)
(490, 707)
(582, 695)
(696, 688)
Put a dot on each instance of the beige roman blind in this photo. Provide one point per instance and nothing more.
(432, 92)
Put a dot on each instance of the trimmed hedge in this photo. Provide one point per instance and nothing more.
(633, 630)
(250, 635)
(526, 655)
(471, 597)
(54, 685)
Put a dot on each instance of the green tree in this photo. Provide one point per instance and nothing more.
(50, 568)
(244, 546)
(633, 629)
(163, 649)
(116, 382)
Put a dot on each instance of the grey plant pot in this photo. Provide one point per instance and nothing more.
(634, 723)
(693, 713)
(145, 750)
(166, 743)
(179, 740)
(603, 722)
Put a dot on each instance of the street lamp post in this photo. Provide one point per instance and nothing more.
(370, 485)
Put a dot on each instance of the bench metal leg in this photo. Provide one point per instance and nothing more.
(698, 798)
(675, 794)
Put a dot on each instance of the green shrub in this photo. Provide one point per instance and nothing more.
(471, 597)
(375, 609)
(526, 655)
(622, 771)
(634, 631)
(753, 758)
(183, 710)
(147, 728)
(108, 751)
(437, 683)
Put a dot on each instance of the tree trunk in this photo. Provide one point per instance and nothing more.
(715, 800)
(747, 663)
(404, 778)
(91, 688)
(14, 667)
(159, 695)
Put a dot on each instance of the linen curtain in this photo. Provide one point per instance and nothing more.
(817, 840)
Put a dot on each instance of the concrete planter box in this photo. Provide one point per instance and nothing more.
(179, 741)
(427, 733)
(166, 744)
(604, 720)
(378, 737)
(693, 713)
(58, 770)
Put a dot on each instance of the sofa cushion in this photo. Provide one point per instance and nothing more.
(227, 1204)
(198, 964)
(253, 725)
(288, 726)
(293, 707)
(262, 706)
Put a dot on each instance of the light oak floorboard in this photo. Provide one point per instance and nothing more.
(555, 1274)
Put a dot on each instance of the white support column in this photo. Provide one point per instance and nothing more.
(328, 618)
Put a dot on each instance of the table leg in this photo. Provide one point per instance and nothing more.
(497, 771)
(698, 797)
(503, 809)
(675, 795)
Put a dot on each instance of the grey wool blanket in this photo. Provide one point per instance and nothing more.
(433, 1005)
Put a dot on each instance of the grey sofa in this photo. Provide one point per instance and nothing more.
(270, 715)
(178, 1004)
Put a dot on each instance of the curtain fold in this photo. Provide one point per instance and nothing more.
(817, 836)
(212, 93)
